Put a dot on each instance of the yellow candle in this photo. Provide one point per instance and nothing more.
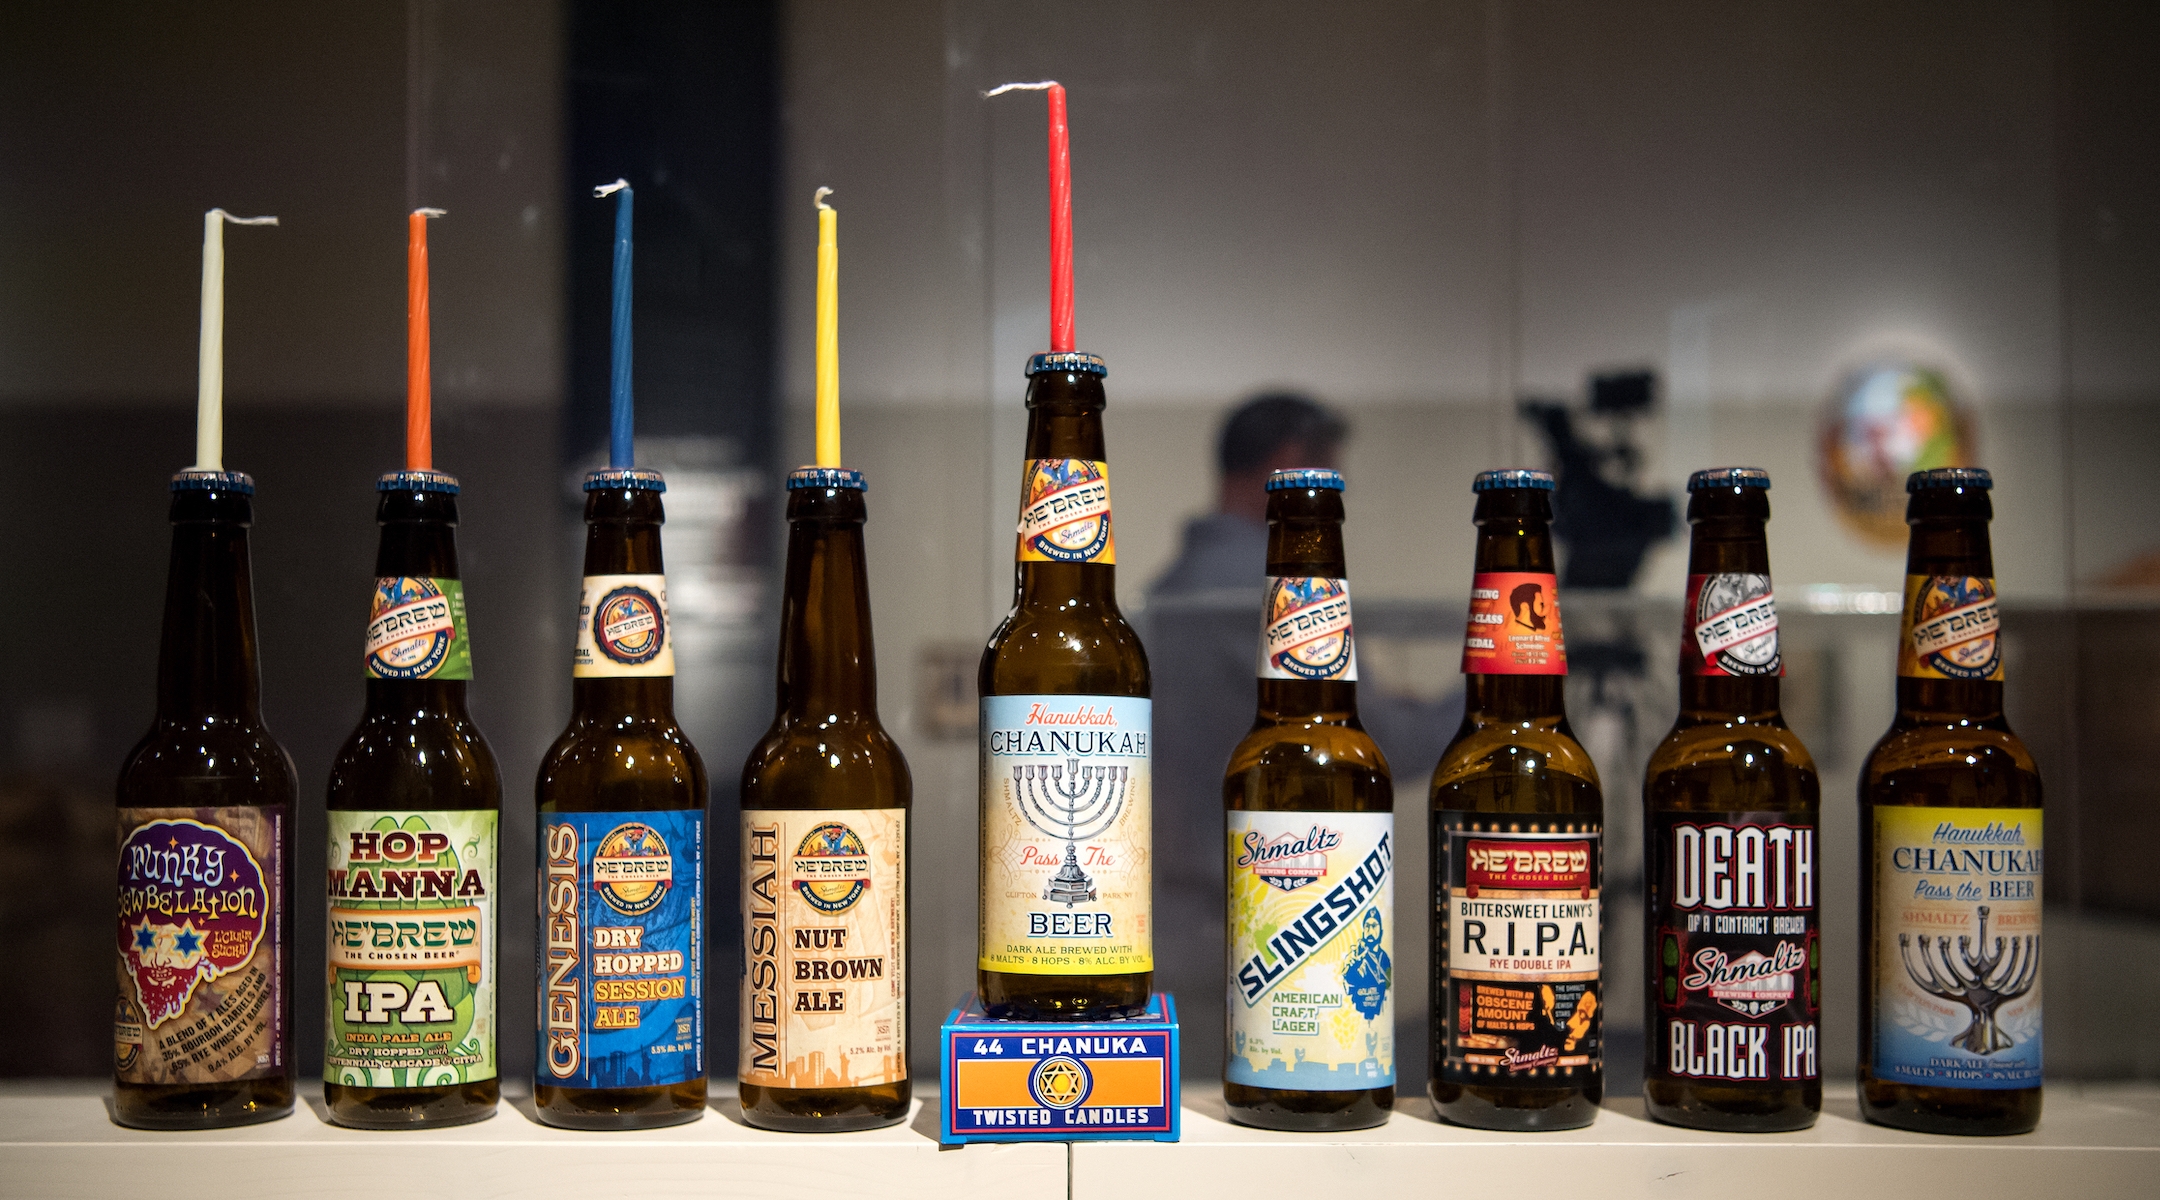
(210, 359)
(828, 332)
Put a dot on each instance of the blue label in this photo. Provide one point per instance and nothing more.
(621, 954)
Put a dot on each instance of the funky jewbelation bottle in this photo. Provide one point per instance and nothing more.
(1733, 983)
(1517, 848)
(1311, 868)
(1950, 857)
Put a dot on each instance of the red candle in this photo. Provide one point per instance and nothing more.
(1061, 236)
(419, 419)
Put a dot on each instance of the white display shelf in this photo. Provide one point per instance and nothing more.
(57, 1140)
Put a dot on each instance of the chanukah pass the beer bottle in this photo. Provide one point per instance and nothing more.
(1517, 849)
(622, 846)
(1066, 920)
(415, 799)
(1950, 1033)
(203, 1030)
(825, 799)
(1732, 984)
(1311, 823)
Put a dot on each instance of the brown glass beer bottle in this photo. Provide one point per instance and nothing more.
(1950, 1034)
(1517, 848)
(1311, 822)
(1733, 987)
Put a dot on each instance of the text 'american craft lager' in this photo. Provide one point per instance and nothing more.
(1311, 867)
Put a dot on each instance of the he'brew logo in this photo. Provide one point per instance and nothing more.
(628, 625)
(1065, 510)
(193, 907)
(412, 628)
(1306, 633)
(1734, 624)
(1955, 627)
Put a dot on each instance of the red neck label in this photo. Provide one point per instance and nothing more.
(1514, 625)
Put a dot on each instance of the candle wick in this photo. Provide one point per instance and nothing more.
(1003, 88)
(431, 212)
(609, 189)
(819, 199)
(230, 219)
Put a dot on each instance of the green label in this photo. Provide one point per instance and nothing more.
(412, 948)
(416, 629)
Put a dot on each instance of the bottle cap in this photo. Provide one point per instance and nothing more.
(1291, 479)
(1949, 477)
(192, 480)
(1512, 477)
(1728, 477)
(416, 481)
(826, 477)
(643, 479)
(1070, 360)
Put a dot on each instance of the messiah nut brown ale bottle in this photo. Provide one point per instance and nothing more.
(203, 1030)
(415, 800)
(622, 846)
(1311, 817)
(1950, 1035)
(1517, 849)
(825, 799)
(1733, 985)
(1067, 855)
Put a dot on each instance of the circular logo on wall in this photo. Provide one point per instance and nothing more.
(628, 625)
(1060, 1081)
(632, 869)
(1885, 422)
(832, 868)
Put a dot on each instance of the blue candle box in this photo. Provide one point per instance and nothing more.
(1059, 1081)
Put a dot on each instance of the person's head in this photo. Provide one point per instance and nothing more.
(1269, 431)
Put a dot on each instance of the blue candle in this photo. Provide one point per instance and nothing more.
(620, 450)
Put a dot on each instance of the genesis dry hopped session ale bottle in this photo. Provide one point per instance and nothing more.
(1733, 952)
(1950, 1035)
(203, 1031)
(1066, 920)
(825, 799)
(1311, 823)
(622, 846)
(415, 800)
(1517, 848)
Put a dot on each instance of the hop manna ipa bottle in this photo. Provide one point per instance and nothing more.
(622, 798)
(415, 799)
(1311, 867)
(1733, 983)
(1517, 848)
(825, 798)
(1950, 1034)
(203, 1030)
(1066, 920)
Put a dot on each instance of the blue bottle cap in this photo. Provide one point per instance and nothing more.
(1728, 477)
(826, 477)
(417, 481)
(643, 479)
(1291, 479)
(1070, 360)
(1950, 477)
(1512, 477)
(192, 480)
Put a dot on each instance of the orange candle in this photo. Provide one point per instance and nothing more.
(419, 403)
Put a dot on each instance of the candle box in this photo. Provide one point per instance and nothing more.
(1058, 1081)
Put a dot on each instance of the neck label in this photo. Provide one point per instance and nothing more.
(1305, 630)
(1065, 512)
(623, 628)
(1952, 629)
(1514, 625)
(1732, 626)
(416, 629)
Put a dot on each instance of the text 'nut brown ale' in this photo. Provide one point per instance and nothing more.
(415, 803)
(825, 800)
(622, 846)
(203, 1029)
(1066, 920)
(1311, 869)
(1517, 848)
(1733, 981)
(1950, 1036)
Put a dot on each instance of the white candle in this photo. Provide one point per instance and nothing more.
(210, 362)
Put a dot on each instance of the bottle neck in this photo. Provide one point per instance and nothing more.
(1065, 422)
(1305, 540)
(828, 668)
(1951, 542)
(622, 537)
(419, 540)
(207, 667)
(1514, 535)
(1729, 537)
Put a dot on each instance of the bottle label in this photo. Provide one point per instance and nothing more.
(201, 936)
(416, 629)
(1065, 512)
(623, 628)
(1952, 629)
(1514, 625)
(1732, 627)
(1305, 630)
(412, 948)
(1516, 947)
(1067, 835)
(824, 902)
(621, 949)
(1312, 1001)
(1957, 946)
(1736, 951)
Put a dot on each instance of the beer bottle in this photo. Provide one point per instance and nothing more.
(1311, 815)
(203, 1030)
(1733, 985)
(1517, 851)
(415, 798)
(825, 798)
(1066, 920)
(1950, 1036)
(622, 846)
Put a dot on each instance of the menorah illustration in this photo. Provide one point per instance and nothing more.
(1076, 804)
(1982, 982)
